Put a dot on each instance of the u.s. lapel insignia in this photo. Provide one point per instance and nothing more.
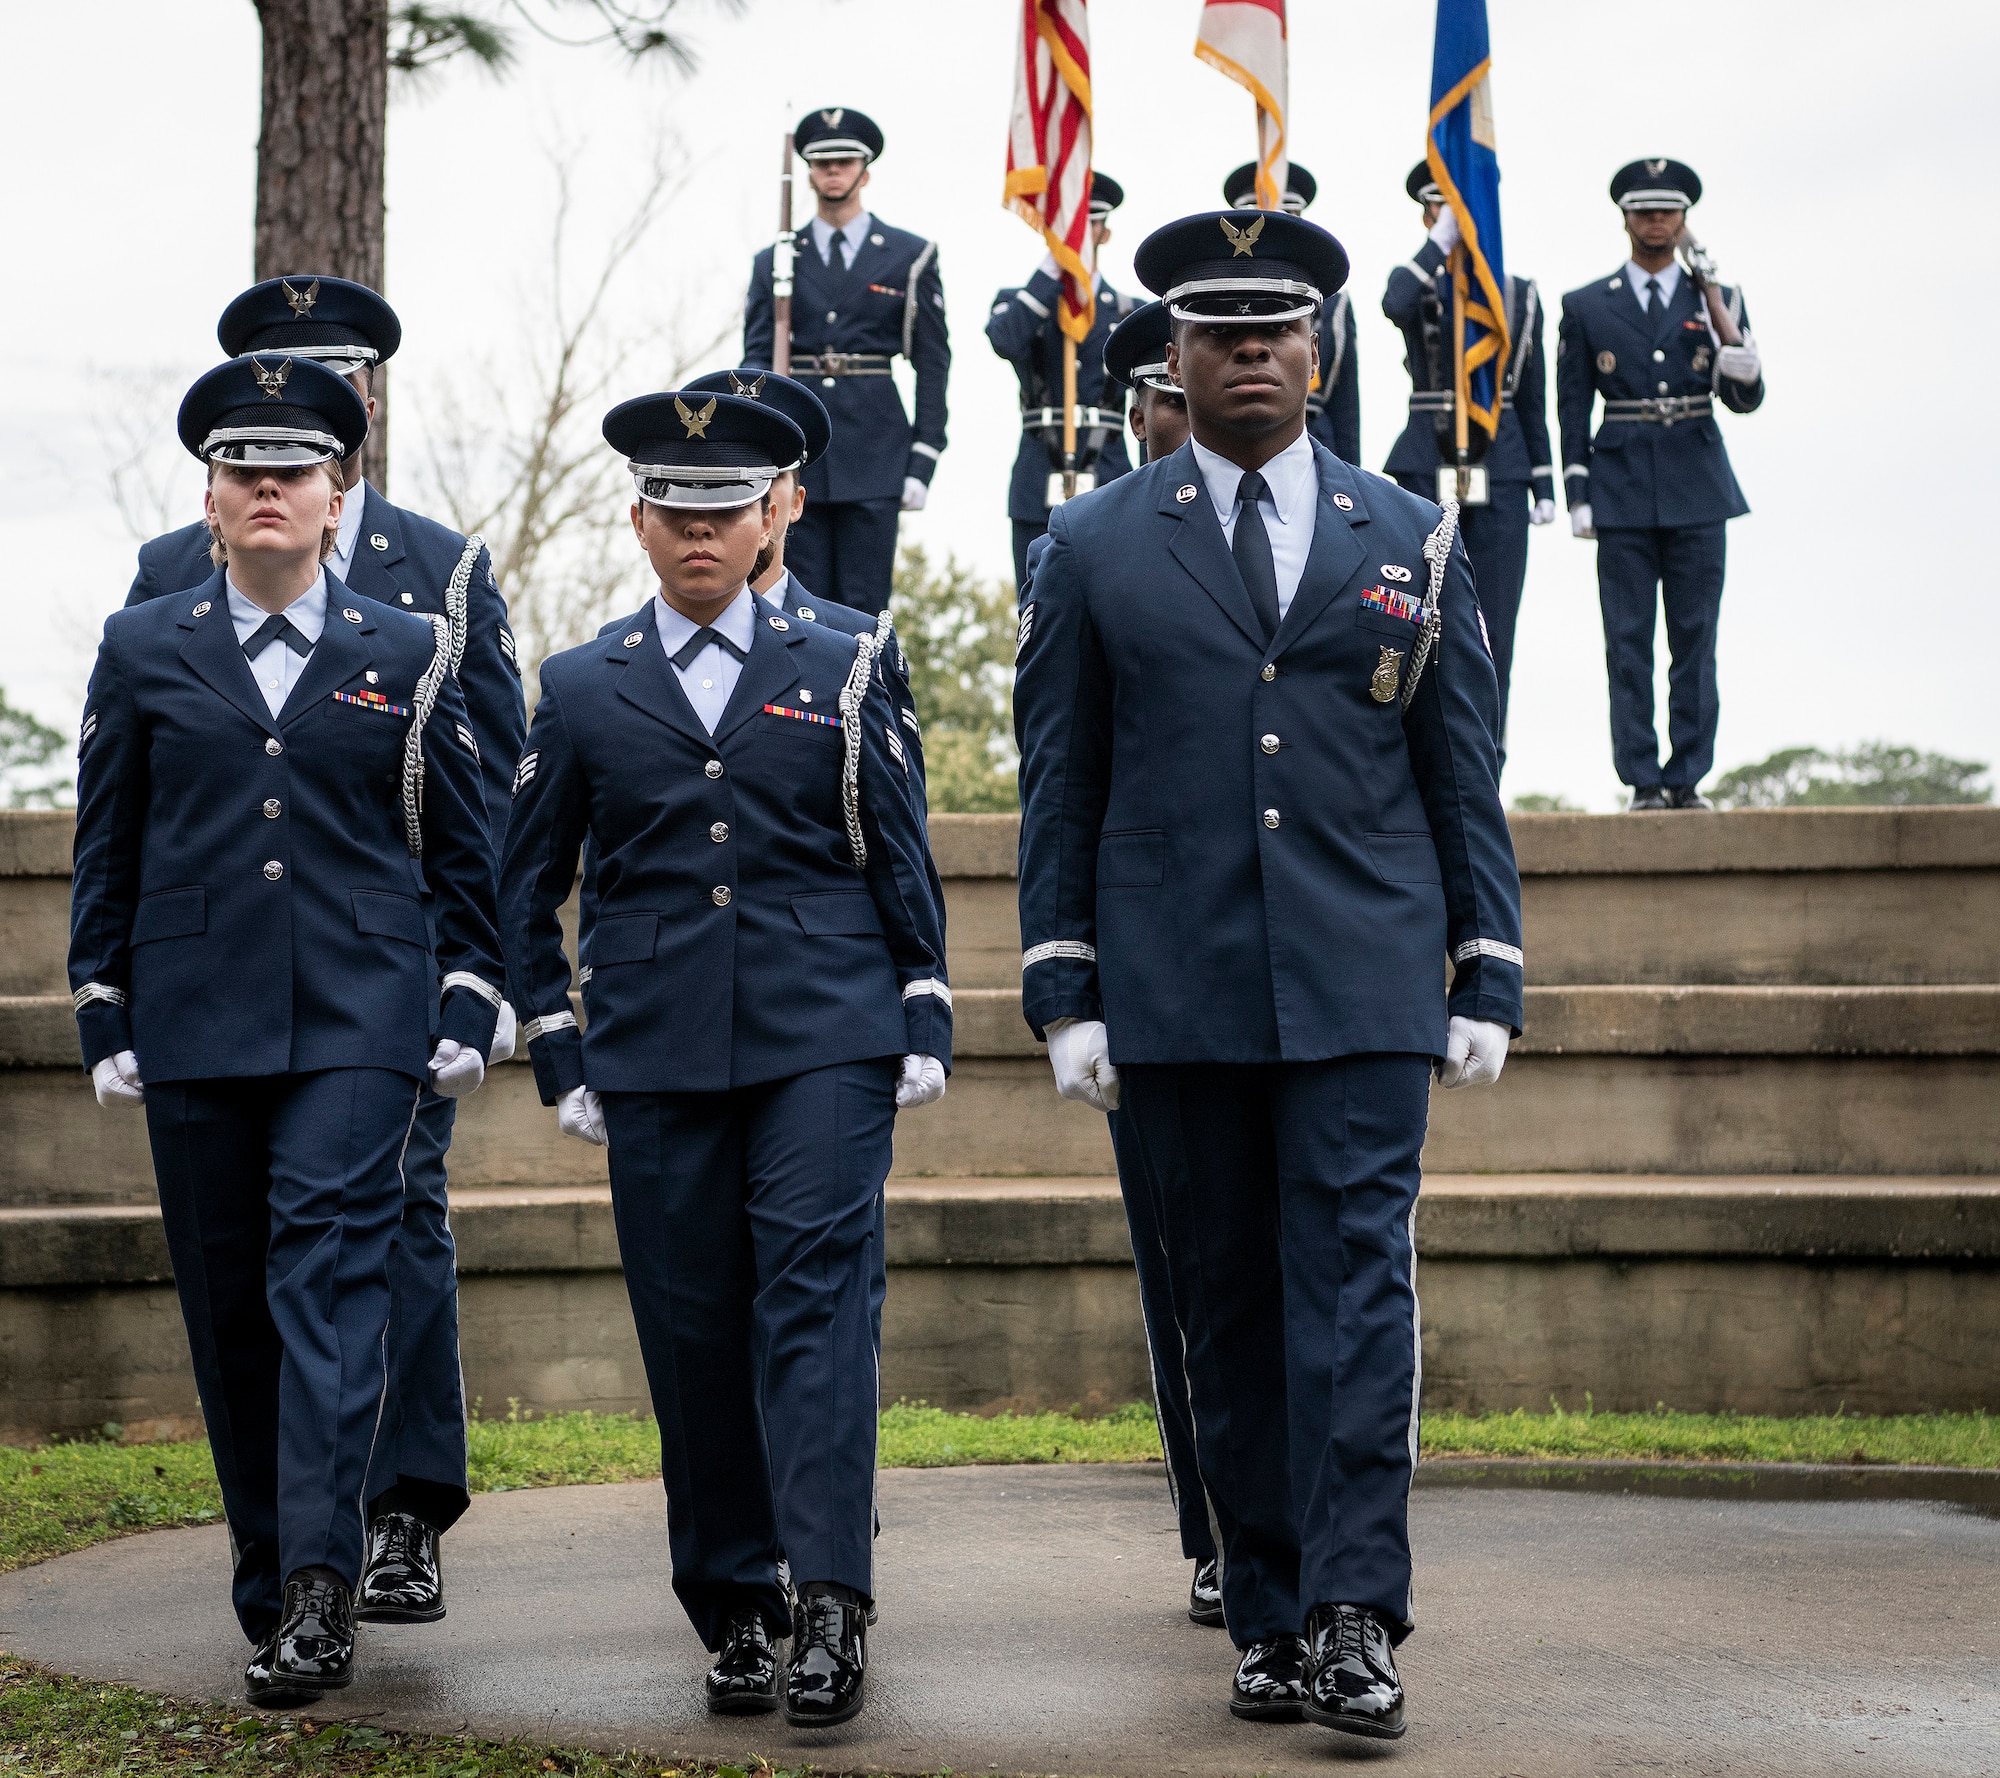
(1342, 501)
(1242, 241)
(778, 623)
(750, 391)
(1184, 493)
(301, 300)
(806, 612)
(378, 541)
(633, 640)
(1394, 571)
(271, 379)
(201, 610)
(1607, 362)
(696, 423)
(352, 616)
(1383, 685)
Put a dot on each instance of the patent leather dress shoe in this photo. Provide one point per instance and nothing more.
(829, 1662)
(1646, 798)
(1270, 1683)
(1687, 796)
(313, 1651)
(1351, 1681)
(267, 1691)
(401, 1581)
(744, 1679)
(1205, 1596)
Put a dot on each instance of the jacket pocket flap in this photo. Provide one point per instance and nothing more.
(1404, 857)
(1132, 860)
(1366, 617)
(837, 913)
(172, 913)
(625, 938)
(389, 915)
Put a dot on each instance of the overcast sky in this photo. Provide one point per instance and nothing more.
(1840, 145)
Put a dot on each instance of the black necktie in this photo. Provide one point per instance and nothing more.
(1252, 548)
(839, 245)
(691, 649)
(276, 629)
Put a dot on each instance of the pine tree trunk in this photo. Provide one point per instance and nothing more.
(319, 154)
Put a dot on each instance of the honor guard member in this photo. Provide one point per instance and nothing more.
(862, 292)
(391, 556)
(1520, 487)
(1259, 811)
(1025, 330)
(1333, 407)
(766, 987)
(1136, 356)
(1654, 487)
(274, 772)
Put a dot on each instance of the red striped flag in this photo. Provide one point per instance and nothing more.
(1246, 40)
(1048, 147)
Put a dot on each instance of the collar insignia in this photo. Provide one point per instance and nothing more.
(1242, 241)
(696, 423)
(750, 391)
(301, 300)
(832, 118)
(271, 380)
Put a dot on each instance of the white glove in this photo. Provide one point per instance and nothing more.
(1740, 364)
(1544, 513)
(1581, 524)
(921, 1082)
(504, 1033)
(1080, 1053)
(455, 1070)
(117, 1081)
(579, 1114)
(1474, 1053)
(1048, 268)
(1444, 231)
(915, 493)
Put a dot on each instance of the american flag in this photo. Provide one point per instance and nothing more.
(1246, 40)
(1048, 147)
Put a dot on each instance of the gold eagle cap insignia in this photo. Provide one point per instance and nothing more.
(301, 300)
(696, 423)
(1242, 241)
(271, 379)
(750, 391)
(1656, 168)
(832, 118)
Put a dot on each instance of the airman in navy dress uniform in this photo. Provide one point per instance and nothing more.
(1333, 408)
(1025, 330)
(862, 292)
(1654, 487)
(1259, 810)
(766, 987)
(391, 556)
(1136, 356)
(1520, 470)
(274, 772)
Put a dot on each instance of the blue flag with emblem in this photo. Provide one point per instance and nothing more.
(1460, 150)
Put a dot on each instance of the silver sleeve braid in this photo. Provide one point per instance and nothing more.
(851, 696)
(413, 742)
(456, 602)
(1437, 551)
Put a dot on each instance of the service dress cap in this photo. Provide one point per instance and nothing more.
(1251, 267)
(1136, 352)
(342, 324)
(791, 398)
(692, 448)
(271, 408)
(1239, 190)
(1658, 184)
(1422, 185)
(1106, 194)
(837, 133)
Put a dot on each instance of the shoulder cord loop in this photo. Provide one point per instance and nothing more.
(413, 742)
(1437, 551)
(851, 695)
(918, 267)
(455, 600)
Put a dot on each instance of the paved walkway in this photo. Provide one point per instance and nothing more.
(1031, 1623)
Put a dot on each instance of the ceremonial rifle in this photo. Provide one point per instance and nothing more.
(1700, 267)
(784, 254)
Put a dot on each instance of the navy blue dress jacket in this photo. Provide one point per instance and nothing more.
(409, 571)
(734, 940)
(245, 900)
(1645, 473)
(1521, 451)
(1333, 410)
(891, 300)
(1230, 851)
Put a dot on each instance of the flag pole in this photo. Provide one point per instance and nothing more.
(783, 256)
(1459, 392)
(1069, 418)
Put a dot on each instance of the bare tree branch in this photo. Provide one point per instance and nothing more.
(135, 435)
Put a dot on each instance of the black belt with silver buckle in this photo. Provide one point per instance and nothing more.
(1661, 410)
(1050, 419)
(844, 364)
(1439, 401)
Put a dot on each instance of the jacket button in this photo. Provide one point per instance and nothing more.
(272, 808)
(720, 895)
(274, 870)
(273, 746)
(1270, 672)
(833, 314)
(713, 768)
(1663, 388)
(719, 832)
(1659, 357)
(1269, 743)
(1270, 817)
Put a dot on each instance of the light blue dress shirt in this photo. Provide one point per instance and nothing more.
(712, 675)
(853, 233)
(1670, 281)
(1290, 506)
(277, 669)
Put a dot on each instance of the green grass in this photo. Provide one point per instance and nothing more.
(64, 1497)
